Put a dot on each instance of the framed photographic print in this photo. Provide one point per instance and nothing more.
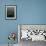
(10, 12)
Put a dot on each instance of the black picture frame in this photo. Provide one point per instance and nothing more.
(10, 12)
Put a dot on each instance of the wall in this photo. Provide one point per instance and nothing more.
(28, 12)
(6, 26)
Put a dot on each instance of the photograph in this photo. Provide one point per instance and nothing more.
(29, 33)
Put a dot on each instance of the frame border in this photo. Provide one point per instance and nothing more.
(5, 12)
